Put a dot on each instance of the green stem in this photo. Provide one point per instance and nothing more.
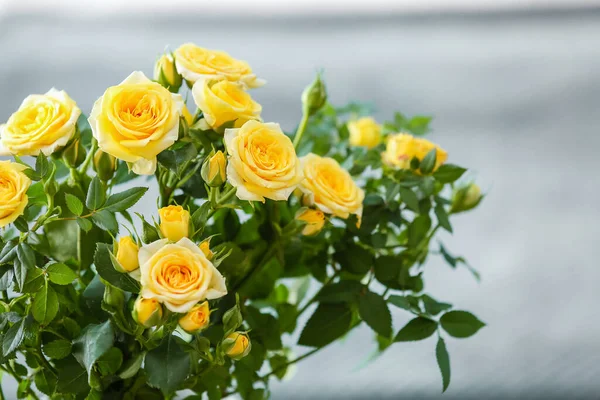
(294, 361)
(88, 159)
(301, 129)
(314, 298)
(222, 200)
(43, 358)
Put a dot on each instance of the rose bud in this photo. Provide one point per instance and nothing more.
(74, 154)
(127, 254)
(466, 198)
(314, 96)
(174, 222)
(213, 169)
(364, 132)
(196, 319)
(239, 343)
(314, 219)
(104, 165)
(205, 247)
(165, 73)
(147, 312)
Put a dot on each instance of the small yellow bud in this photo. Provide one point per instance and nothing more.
(104, 165)
(465, 198)
(165, 73)
(314, 219)
(364, 132)
(205, 247)
(147, 312)
(127, 254)
(196, 319)
(214, 169)
(240, 345)
(174, 222)
(189, 118)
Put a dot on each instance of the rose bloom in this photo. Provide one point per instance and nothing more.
(196, 63)
(364, 132)
(222, 101)
(178, 275)
(314, 219)
(262, 162)
(136, 120)
(196, 319)
(330, 187)
(174, 222)
(402, 147)
(13, 191)
(43, 123)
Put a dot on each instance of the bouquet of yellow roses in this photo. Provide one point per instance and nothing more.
(206, 295)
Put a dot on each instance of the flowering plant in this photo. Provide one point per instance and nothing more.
(211, 296)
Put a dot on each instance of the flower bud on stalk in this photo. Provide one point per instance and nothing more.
(314, 219)
(205, 247)
(165, 73)
(114, 296)
(314, 96)
(213, 170)
(174, 222)
(196, 319)
(239, 343)
(147, 312)
(127, 254)
(105, 165)
(74, 154)
(466, 198)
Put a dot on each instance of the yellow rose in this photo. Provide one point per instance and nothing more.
(364, 132)
(174, 222)
(196, 63)
(127, 254)
(222, 101)
(43, 123)
(196, 319)
(147, 312)
(205, 247)
(13, 191)
(178, 275)
(262, 162)
(402, 147)
(240, 345)
(315, 220)
(330, 187)
(136, 120)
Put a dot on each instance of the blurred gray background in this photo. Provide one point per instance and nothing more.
(516, 97)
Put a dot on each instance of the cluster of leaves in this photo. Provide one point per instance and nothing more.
(67, 311)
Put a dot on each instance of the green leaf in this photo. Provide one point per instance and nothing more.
(373, 309)
(57, 349)
(419, 125)
(428, 162)
(177, 157)
(149, 232)
(329, 322)
(110, 362)
(35, 280)
(432, 306)
(61, 274)
(45, 305)
(417, 329)
(443, 360)
(448, 173)
(13, 337)
(131, 366)
(21, 224)
(106, 270)
(45, 381)
(167, 366)
(355, 259)
(106, 220)
(24, 262)
(84, 224)
(74, 204)
(96, 195)
(442, 217)
(409, 303)
(279, 365)
(346, 291)
(461, 324)
(42, 166)
(94, 395)
(9, 251)
(409, 198)
(6, 277)
(94, 341)
(72, 378)
(124, 200)
(418, 229)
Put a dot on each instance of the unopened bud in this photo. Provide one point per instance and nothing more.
(466, 198)
(74, 154)
(196, 319)
(147, 312)
(127, 254)
(237, 345)
(214, 169)
(165, 73)
(104, 165)
(205, 247)
(314, 96)
(114, 296)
